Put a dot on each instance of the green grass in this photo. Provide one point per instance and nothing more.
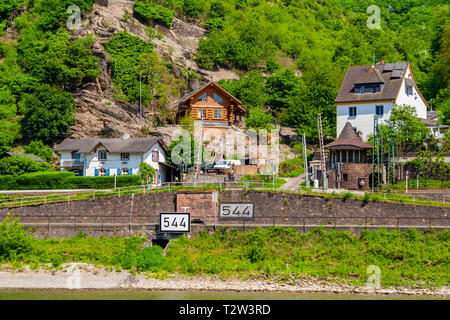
(423, 184)
(410, 258)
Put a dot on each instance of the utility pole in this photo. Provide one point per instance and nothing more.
(199, 149)
(324, 167)
(305, 160)
(140, 95)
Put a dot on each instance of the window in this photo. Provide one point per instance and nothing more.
(75, 155)
(200, 112)
(102, 155)
(102, 172)
(217, 98)
(352, 111)
(361, 89)
(379, 110)
(218, 114)
(202, 97)
(345, 177)
(124, 171)
(409, 91)
(125, 156)
(155, 156)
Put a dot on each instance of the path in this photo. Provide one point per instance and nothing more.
(293, 184)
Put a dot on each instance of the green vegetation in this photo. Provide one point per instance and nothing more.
(134, 58)
(291, 168)
(146, 171)
(39, 149)
(39, 69)
(319, 40)
(151, 11)
(63, 180)
(18, 165)
(408, 258)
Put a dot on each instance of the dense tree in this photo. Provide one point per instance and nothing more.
(47, 114)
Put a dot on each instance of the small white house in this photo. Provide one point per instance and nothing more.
(373, 90)
(114, 156)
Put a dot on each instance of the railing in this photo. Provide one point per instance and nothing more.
(19, 200)
(152, 220)
(72, 163)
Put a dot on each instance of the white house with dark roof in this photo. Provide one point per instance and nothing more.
(374, 90)
(114, 156)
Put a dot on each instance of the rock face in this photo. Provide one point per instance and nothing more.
(98, 113)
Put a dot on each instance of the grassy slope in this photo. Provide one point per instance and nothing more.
(409, 258)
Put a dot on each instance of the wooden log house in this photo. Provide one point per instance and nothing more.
(217, 106)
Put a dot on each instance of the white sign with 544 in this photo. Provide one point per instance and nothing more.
(177, 222)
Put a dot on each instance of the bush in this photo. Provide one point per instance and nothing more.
(7, 182)
(43, 180)
(154, 12)
(39, 149)
(291, 168)
(103, 182)
(64, 180)
(150, 259)
(14, 240)
(18, 165)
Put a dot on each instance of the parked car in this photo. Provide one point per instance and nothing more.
(226, 164)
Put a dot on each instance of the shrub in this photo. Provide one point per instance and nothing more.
(291, 168)
(103, 182)
(39, 149)
(64, 180)
(150, 259)
(43, 180)
(154, 12)
(18, 165)
(14, 240)
(7, 182)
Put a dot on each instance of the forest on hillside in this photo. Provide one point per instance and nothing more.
(291, 55)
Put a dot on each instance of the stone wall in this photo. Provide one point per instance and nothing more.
(111, 215)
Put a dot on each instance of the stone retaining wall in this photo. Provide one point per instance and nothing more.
(111, 215)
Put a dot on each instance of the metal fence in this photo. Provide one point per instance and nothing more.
(79, 222)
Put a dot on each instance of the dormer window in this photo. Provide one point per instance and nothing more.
(361, 89)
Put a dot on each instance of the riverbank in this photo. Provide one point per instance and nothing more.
(80, 276)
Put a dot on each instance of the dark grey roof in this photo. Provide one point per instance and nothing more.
(348, 140)
(114, 145)
(400, 65)
(397, 74)
(388, 67)
(367, 74)
(32, 156)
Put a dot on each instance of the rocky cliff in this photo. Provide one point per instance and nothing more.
(98, 113)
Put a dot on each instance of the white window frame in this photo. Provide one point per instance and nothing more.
(123, 158)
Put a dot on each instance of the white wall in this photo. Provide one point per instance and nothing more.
(414, 100)
(113, 161)
(363, 121)
(365, 111)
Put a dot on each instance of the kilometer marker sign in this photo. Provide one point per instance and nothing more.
(175, 222)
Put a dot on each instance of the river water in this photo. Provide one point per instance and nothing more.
(187, 295)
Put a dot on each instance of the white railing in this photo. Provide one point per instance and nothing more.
(72, 163)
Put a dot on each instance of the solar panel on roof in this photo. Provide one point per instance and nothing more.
(388, 67)
(400, 66)
(397, 74)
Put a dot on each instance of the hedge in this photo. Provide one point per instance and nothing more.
(64, 180)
